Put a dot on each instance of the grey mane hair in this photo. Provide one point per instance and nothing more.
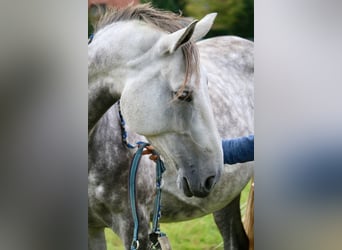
(163, 20)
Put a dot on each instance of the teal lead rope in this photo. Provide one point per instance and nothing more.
(132, 194)
(155, 235)
(160, 168)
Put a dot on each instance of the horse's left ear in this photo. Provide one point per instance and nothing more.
(171, 42)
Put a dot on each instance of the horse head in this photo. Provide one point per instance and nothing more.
(163, 94)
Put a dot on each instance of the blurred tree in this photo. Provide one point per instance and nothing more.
(94, 12)
(90, 27)
(235, 17)
(172, 5)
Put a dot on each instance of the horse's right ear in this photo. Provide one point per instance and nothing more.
(171, 42)
(203, 26)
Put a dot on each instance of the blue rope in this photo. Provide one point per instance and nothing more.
(90, 38)
(160, 168)
(132, 193)
(124, 134)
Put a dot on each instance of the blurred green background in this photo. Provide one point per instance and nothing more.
(235, 17)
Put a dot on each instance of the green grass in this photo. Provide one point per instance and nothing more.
(200, 233)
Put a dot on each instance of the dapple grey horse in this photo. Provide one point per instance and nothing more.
(182, 97)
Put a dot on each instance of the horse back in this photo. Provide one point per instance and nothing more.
(229, 63)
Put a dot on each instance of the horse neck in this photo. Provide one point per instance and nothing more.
(99, 101)
(106, 82)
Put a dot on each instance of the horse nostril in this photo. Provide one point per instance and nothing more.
(186, 188)
(209, 183)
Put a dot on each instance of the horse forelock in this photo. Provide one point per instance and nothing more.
(164, 20)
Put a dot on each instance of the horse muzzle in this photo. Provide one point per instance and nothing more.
(193, 186)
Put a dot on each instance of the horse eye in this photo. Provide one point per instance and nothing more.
(184, 96)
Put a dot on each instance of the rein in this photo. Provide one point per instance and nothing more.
(158, 239)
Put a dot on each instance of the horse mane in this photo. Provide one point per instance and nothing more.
(164, 20)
